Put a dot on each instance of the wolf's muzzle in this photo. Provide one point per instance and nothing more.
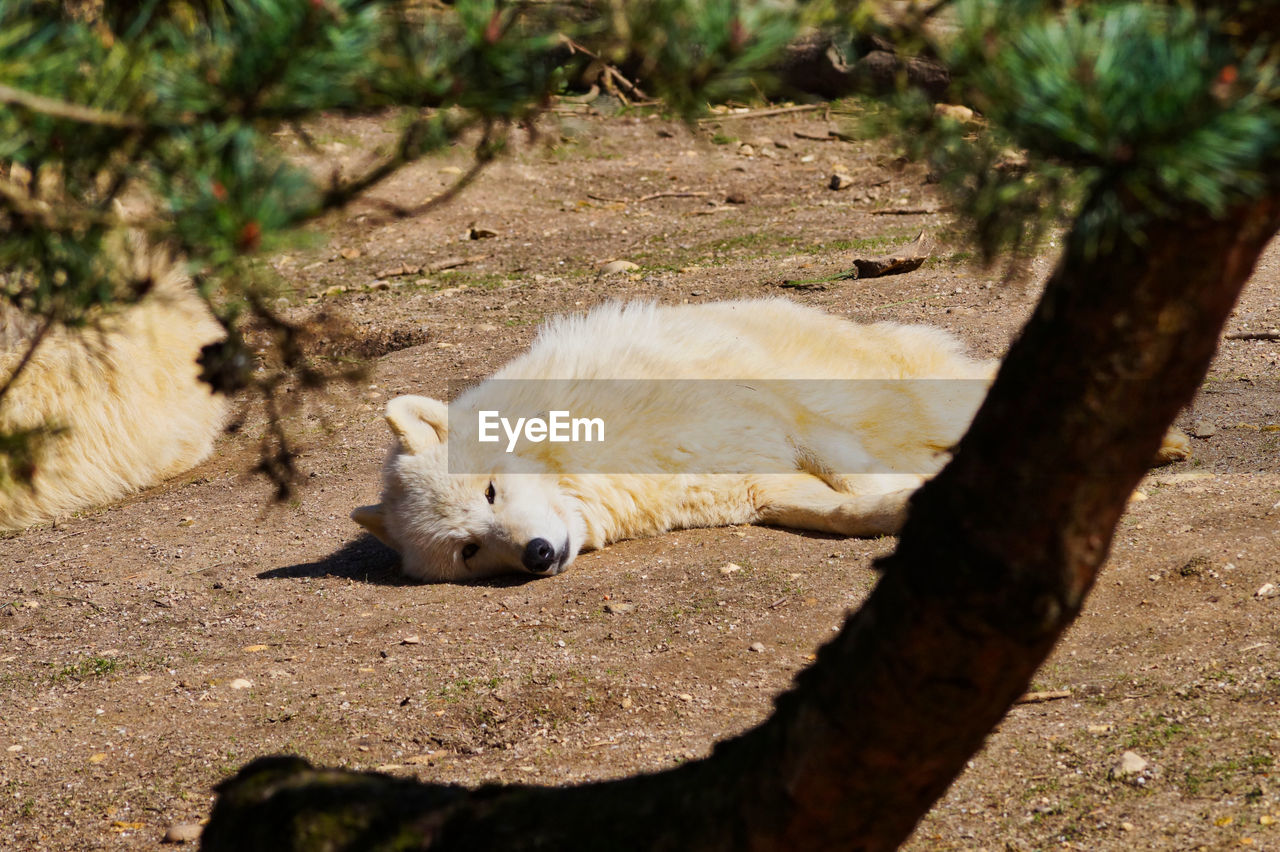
(539, 556)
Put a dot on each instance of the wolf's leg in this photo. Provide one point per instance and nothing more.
(1176, 448)
(807, 503)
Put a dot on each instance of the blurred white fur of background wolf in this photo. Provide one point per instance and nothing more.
(119, 401)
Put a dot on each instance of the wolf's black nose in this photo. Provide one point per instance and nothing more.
(539, 556)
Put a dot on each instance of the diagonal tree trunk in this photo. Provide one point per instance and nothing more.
(993, 565)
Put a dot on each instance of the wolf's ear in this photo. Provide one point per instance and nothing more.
(373, 519)
(419, 422)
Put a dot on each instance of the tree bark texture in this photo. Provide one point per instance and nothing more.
(993, 565)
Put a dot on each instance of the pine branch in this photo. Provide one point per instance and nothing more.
(62, 109)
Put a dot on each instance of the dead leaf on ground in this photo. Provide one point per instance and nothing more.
(903, 259)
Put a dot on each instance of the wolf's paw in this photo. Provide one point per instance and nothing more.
(1176, 448)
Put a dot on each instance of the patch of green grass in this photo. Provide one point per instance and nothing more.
(758, 239)
(723, 139)
(1154, 731)
(90, 667)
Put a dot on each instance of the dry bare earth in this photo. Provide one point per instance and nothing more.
(150, 648)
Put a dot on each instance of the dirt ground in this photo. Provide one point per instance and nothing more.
(149, 648)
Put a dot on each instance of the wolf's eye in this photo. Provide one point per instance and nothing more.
(490, 493)
(469, 550)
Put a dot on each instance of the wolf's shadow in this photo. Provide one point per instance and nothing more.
(367, 560)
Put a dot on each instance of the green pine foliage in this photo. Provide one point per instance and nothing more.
(176, 103)
(1116, 111)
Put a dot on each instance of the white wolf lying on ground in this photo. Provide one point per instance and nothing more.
(121, 399)
(726, 413)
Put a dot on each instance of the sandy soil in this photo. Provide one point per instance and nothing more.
(150, 648)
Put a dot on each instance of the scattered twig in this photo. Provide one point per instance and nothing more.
(811, 283)
(1043, 696)
(1254, 335)
(650, 197)
(907, 211)
(75, 599)
(762, 113)
(453, 263)
(609, 73)
(591, 95)
(654, 195)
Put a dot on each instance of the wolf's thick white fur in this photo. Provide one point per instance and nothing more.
(122, 397)
(854, 451)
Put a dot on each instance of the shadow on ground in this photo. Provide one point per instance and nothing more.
(365, 560)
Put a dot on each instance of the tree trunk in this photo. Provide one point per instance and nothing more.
(992, 566)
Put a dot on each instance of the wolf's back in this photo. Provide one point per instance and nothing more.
(116, 406)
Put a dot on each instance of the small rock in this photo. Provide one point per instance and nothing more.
(746, 151)
(1203, 429)
(254, 649)
(735, 198)
(840, 180)
(1126, 826)
(615, 266)
(349, 253)
(335, 290)
(758, 647)
(1266, 590)
(1101, 729)
(186, 522)
(397, 271)
(619, 608)
(781, 143)
(183, 832)
(684, 696)
(451, 170)
(411, 640)
(476, 232)
(1196, 566)
(627, 702)
(241, 683)
(956, 112)
(1131, 765)
(697, 292)
(730, 568)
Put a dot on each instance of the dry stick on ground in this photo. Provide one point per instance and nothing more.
(992, 566)
(649, 197)
(762, 113)
(908, 211)
(609, 74)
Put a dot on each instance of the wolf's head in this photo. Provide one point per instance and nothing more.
(459, 526)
